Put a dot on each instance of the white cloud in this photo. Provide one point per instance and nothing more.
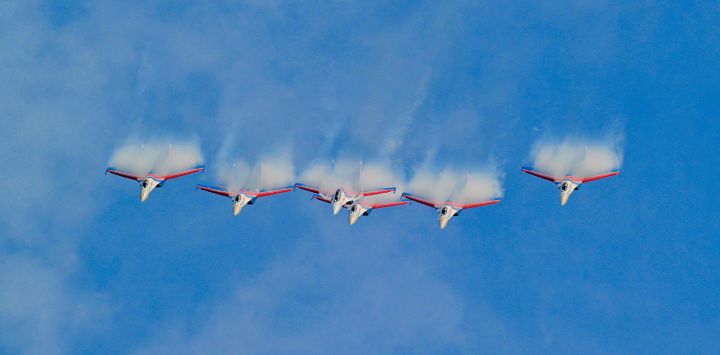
(328, 297)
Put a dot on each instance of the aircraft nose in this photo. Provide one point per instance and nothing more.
(336, 208)
(144, 195)
(443, 223)
(563, 198)
(352, 219)
(236, 209)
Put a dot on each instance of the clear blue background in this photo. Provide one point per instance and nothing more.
(630, 265)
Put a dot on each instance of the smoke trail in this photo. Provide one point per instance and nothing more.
(160, 157)
(577, 156)
(267, 173)
(457, 186)
(395, 138)
(350, 174)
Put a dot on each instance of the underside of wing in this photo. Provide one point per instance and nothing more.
(308, 188)
(218, 190)
(598, 177)
(542, 175)
(378, 191)
(321, 198)
(419, 200)
(384, 205)
(181, 173)
(474, 204)
(263, 193)
(123, 174)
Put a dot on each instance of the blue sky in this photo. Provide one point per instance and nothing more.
(628, 266)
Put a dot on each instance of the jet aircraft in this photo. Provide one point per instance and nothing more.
(243, 197)
(447, 209)
(342, 198)
(152, 180)
(568, 184)
(362, 208)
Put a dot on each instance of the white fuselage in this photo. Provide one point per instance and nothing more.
(340, 200)
(146, 186)
(566, 188)
(239, 201)
(445, 213)
(355, 212)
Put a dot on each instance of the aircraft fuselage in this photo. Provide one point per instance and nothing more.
(239, 201)
(146, 186)
(445, 213)
(340, 199)
(356, 211)
(566, 188)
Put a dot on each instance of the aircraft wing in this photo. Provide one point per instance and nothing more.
(218, 190)
(264, 193)
(378, 192)
(123, 174)
(181, 173)
(320, 198)
(541, 175)
(308, 188)
(383, 205)
(475, 204)
(598, 177)
(419, 200)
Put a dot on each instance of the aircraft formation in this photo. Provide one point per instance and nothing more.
(356, 202)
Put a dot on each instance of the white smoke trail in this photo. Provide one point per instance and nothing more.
(577, 156)
(456, 186)
(352, 175)
(271, 170)
(395, 138)
(160, 157)
(267, 173)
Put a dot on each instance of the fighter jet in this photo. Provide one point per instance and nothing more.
(568, 184)
(151, 181)
(341, 198)
(243, 197)
(362, 208)
(447, 209)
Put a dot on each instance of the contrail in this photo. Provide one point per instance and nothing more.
(157, 156)
(576, 156)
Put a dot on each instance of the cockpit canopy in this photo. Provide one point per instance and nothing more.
(564, 186)
(354, 208)
(144, 184)
(337, 195)
(444, 211)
